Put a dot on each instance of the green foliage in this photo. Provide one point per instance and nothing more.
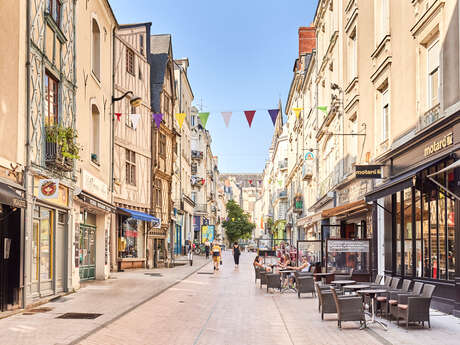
(270, 225)
(65, 138)
(237, 224)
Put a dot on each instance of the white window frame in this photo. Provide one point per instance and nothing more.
(430, 75)
(385, 115)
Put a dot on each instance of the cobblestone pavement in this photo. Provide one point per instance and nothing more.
(111, 298)
(225, 307)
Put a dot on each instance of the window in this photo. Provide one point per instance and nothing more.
(433, 74)
(51, 100)
(193, 121)
(96, 50)
(382, 19)
(129, 61)
(53, 8)
(352, 56)
(398, 232)
(385, 115)
(194, 196)
(130, 167)
(353, 141)
(95, 120)
(140, 73)
(157, 193)
(141, 44)
(162, 149)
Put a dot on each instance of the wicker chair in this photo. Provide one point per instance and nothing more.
(273, 281)
(257, 273)
(382, 300)
(263, 277)
(416, 308)
(305, 284)
(349, 309)
(378, 279)
(393, 302)
(386, 283)
(326, 301)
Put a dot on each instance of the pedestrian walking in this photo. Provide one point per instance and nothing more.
(207, 248)
(216, 255)
(190, 254)
(236, 254)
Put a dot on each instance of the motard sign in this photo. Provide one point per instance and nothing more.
(439, 144)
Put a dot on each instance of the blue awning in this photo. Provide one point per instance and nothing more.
(140, 215)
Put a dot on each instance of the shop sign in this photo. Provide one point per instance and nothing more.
(439, 144)
(48, 188)
(94, 186)
(309, 156)
(207, 233)
(347, 246)
(368, 171)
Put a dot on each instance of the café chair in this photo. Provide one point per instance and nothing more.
(416, 308)
(326, 304)
(349, 309)
(305, 284)
(393, 302)
(273, 281)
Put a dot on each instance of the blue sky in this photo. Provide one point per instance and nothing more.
(241, 57)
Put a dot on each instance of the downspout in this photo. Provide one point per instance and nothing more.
(25, 234)
(114, 222)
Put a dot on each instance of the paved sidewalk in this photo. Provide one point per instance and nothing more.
(112, 298)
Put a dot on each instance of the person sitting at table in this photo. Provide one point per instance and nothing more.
(305, 266)
(258, 264)
(284, 262)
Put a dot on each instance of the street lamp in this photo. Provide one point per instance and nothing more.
(135, 101)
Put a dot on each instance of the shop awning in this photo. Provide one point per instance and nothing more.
(139, 215)
(9, 197)
(308, 220)
(399, 183)
(351, 207)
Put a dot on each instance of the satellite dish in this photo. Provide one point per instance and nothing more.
(77, 191)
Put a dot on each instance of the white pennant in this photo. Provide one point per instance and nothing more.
(134, 119)
(226, 115)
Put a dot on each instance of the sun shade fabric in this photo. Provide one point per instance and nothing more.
(454, 165)
(9, 197)
(343, 209)
(140, 215)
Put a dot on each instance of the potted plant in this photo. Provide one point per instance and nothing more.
(66, 147)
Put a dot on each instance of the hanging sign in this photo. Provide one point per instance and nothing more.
(48, 188)
(368, 171)
(309, 156)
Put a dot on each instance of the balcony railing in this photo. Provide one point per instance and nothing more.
(55, 159)
(429, 117)
(197, 154)
(203, 208)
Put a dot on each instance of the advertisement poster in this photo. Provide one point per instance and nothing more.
(207, 233)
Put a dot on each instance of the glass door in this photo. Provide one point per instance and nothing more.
(87, 252)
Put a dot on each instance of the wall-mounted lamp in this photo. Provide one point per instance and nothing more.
(135, 101)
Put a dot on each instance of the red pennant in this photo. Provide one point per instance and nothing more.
(118, 115)
(250, 181)
(249, 116)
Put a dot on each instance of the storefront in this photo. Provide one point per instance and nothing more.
(132, 234)
(419, 207)
(12, 205)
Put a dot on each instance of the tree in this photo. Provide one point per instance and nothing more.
(237, 224)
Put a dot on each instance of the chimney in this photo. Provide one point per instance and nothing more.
(307, 39)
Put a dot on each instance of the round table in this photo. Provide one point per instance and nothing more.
(372, 294)
(343, 282)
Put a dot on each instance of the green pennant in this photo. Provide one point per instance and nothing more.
(203, 118)
(323, 108)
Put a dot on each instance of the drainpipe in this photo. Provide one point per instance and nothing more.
(25, 234)
(114, 222)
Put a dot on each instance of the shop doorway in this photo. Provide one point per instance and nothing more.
(178, 241)
(9, 257)
(87, 252)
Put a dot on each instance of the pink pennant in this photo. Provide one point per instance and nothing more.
(226, 115)
(118, 115)
(157, 118)
(249, 116)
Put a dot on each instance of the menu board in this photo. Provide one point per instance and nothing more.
(347, 246)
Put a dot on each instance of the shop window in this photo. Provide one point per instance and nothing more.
(127, 239)
(398, 234)
(408, 267)
(130, 167)
(42, 244)
(96, 50)
(51, 100)
(130, 61)
(418, 234)
(451, 238)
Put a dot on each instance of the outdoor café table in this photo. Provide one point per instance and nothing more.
(355, 287)
(372, 294)
(322, 275)
(286, 286)
(339, 283)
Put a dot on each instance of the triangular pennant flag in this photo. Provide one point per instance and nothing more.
(297, 111)
(134, 119)
(118, 115)
(226, 115)
(203, 118)
(249, 116)
(280, 182)
(180, 117)
(273, 114)
(157, 118)
(323, 108)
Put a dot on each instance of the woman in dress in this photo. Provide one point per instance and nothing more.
(236, 254)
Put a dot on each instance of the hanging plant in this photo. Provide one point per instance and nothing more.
(65, 138)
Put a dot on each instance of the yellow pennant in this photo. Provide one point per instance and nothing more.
(180, 117)
(297, 111)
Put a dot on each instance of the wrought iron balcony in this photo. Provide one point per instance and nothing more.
(197, 154)
(55, 159)
(202, 208)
